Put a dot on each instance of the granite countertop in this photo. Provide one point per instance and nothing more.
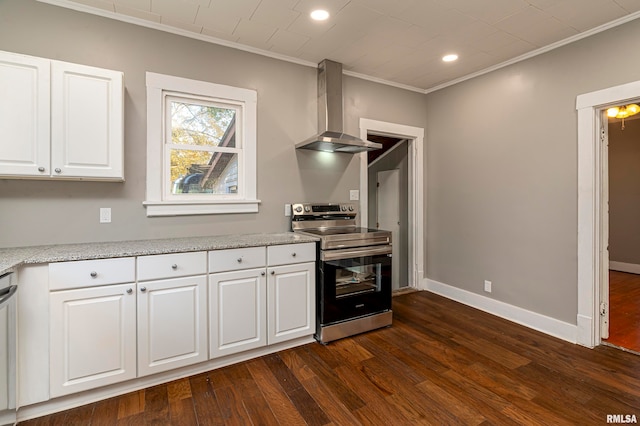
(11, 258)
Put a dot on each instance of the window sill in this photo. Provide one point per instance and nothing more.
(188, 208)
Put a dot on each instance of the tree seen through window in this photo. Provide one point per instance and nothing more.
(201, 160)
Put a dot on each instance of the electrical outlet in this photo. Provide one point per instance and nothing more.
(105, 215)
(354, 194)
(287, 209)
(487, 286)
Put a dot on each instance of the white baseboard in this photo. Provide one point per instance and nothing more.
(585, 333)
(631, 268)
(539, 322)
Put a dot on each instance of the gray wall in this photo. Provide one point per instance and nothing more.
(502, 173)
(624, 192)
(46, 212)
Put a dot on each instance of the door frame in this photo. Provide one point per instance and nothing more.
(417, 196)
(592, 202)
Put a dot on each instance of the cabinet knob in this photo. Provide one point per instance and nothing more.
(143, 289)
(174, 266)
(293, 254)
(93, 274)
(58, 170)
(272, 272)
(239, 260)
(262, 273)
(41, 169)
(129, 291)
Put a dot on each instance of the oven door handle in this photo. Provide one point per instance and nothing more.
(327, 255)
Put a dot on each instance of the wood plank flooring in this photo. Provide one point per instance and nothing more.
(441, 363)
(624, 310)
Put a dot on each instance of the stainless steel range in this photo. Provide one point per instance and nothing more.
(354, 272)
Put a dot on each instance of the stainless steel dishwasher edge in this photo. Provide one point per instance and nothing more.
(8, 314)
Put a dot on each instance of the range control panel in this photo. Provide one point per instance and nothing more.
(324, 209)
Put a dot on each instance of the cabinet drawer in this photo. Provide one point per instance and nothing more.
(171, 265)
(291, 253)
(91, 273)
(236, 259)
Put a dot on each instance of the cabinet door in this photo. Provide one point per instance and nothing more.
(93, 338)
(24, 115)
(86, 122)
(291, 301)
(237, 311)
(172, 323)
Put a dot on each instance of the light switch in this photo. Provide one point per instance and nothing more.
(354, 194)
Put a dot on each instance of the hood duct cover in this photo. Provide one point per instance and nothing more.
(331, 137)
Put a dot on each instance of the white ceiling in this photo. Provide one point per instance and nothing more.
(398, 41)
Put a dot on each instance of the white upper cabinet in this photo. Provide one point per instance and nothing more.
(60, 120)
(24, 115)
(86, 121)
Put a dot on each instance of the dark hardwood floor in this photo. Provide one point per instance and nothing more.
(624, 310)
(440, 363)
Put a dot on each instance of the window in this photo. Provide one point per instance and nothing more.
(201, 147)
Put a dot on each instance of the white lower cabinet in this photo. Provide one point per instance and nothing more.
(103, 333)
(172, 311)
(93, 337)
(238, 305)
(256, 307)
(113, 320)
(291, 299)
(172, 323)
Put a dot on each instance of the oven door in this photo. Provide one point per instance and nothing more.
(354, 283)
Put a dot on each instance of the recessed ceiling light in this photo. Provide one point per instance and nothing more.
(320, 15)
(450, 58)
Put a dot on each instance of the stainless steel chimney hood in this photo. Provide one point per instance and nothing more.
(332, 138)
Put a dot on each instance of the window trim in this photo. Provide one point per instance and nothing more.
(156, 205)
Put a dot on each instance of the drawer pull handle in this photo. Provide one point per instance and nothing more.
(93, 274)
(239, 260)
(174, 266)
(129, 291)
(293, 254)
(143, 289)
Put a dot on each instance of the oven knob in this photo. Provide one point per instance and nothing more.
(350, 208)
(344, 208)
(298, 209)
(307, 209)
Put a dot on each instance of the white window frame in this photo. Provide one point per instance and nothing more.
(158, 203)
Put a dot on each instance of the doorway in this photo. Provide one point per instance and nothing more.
(388, 207)
(414, 137)
(593, 260)
(623, 179)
